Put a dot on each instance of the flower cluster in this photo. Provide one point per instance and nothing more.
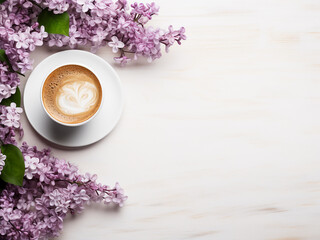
(52, 188)
(8, 82)
(94, 22)
(10, 123)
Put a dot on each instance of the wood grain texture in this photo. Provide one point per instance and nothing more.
(219, 138)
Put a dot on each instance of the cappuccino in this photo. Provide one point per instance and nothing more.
(71, 94)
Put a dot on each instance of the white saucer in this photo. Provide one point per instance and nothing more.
(91, 132)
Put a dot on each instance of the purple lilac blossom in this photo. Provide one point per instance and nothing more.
(10, 116)
(2, 161)
(115, 44)
(52, 188)
(37, 209)
(93, 22)
(57, 6)
(10, 123)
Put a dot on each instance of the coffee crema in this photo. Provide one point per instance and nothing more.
(71, 94)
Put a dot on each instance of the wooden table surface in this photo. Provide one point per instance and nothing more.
(219, 139)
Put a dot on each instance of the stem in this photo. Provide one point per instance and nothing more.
(136, 19)
(127, 51)
(84, 185)
(20, 73)
(15, 228)
(34, 3)
(140, 24)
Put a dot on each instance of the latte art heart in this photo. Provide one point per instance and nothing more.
(72, 94)
(76, 97)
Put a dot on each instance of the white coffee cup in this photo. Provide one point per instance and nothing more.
(75, 87)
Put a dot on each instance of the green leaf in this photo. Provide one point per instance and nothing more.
(54, 23)
(4, 57)
(13, 170)
(13, 98)
(2, 1)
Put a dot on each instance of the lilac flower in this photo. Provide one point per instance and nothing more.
(86, 4)
(7, 132)
(21, 39)
(99, 36)
(6, 135)
(73, 35)
(23, 204)
(87, 177)
(5, 32)
(122, 4)
(39, 208)
(122, 60)
(63, 206)
(91, 21)
(6, 91)
(81, 197)
(4, 73)
(153, 8)
(115, 44)
(173, 36)
(115, 195)
(31, 164)
(55, 198)
(143, 13)
(10, 116)
(2, 163)
(102, 4)
(14, 109)
(36, 38)
(11, 120)
(123, 24)
(43, 171)
(56, 40)
(58, 6)
(24, 63)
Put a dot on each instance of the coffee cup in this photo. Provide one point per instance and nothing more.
(71, 95)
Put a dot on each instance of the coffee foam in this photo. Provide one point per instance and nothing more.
(76, 97)
(71, 94)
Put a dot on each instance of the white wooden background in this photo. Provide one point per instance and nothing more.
(219, 139)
